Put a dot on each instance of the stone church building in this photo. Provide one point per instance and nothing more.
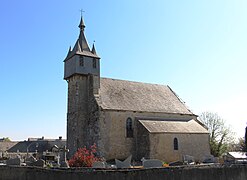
(125, 117)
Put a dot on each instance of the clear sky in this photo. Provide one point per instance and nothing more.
(198, 48)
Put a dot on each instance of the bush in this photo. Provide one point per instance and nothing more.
(84, 157)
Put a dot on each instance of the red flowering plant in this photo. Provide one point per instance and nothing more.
(84, 157)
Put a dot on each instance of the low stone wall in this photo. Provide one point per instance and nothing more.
(238, 172)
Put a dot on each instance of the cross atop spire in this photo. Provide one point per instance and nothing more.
(82, 25)
(81, 10)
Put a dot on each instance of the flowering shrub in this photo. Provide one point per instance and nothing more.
(84, 157)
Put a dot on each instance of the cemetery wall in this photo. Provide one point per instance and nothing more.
(174, 173)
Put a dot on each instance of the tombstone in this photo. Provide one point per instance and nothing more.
(188, 159)
(63, 153)
(124, 164)
(99, 164)
(62, 157)
(30, 160)
(15, 161)
(209, 159)
(152, 163)
(64, 164)
(176, 163)
(38, 163)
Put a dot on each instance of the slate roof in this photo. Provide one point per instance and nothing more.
(81, 46)
(4, 146)
(174, 126)
(136, 96)
(39, 145)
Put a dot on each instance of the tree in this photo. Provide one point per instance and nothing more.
(84, 157)
(221, 136)
(6, 139)
(239, 146)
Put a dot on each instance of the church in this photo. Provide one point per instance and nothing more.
(126, 118)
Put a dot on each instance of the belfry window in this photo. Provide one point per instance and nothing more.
(94, 62)
(129, 128)
(81, 61)
(175, 143)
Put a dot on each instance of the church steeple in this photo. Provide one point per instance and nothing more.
(81, 59)
(82, 72)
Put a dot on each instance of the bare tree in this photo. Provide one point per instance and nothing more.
(221, 136)
(239, 145)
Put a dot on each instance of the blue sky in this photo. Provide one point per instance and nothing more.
(198, 48)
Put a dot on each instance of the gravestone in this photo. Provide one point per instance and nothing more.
(31, 159)
(99, 164)
(14, 161)
(64, 164)
(209, 159)
(63, 157)
(188, 159)
(124, 164)
(176, 163)
(152, 163)
(38, 163)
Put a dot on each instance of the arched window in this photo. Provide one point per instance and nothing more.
(175, 143)
(129, 128)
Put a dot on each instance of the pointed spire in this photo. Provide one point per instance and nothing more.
(82, 25)
(81, 46)
(93, 50)
(68, 54)
(77, 47)
(82, 38)
(69, 49)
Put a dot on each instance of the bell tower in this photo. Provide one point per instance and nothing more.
(82, 72)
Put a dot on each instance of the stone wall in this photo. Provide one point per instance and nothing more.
(195, 145)
(115, 144)
(177, 173)
(83, 113)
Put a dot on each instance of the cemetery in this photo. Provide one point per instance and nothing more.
(29, 167)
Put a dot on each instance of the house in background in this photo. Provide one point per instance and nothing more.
(5, 145)
(46, 149)
(235, 157)
(125, 117)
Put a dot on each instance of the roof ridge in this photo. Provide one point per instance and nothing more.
(182, 101)
(134, 81)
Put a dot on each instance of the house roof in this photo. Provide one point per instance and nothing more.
(173, 126)
(4, 146)
(136, 96)
(39, 145)
(238, 155)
